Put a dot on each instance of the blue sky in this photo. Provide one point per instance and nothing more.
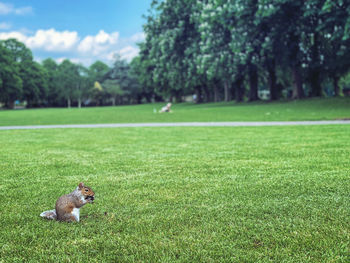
(83, 31)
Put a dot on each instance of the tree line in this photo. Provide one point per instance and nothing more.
(213, 49)
(225, 50)
(65, 84)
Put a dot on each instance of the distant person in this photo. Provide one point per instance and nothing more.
(194, 97)
(166, 108)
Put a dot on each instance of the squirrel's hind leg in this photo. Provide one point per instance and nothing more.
(51, 214)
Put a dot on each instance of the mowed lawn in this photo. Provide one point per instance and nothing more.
(179, 194)
(309, 109)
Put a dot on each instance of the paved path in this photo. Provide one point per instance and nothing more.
(176, 124)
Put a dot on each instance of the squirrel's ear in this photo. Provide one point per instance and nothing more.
(81, 185)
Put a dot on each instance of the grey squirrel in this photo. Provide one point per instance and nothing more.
(67, 206)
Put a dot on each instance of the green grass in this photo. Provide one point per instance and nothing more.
(310, 109)
(258, 194)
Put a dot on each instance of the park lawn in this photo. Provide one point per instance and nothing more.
(309, 109)
(179, 194)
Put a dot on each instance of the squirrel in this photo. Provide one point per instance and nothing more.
(67, 206)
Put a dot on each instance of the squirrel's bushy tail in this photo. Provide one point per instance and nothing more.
(51, 214)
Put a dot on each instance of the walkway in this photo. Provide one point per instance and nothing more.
(176, 124)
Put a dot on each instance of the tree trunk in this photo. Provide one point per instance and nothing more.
(198, 91)
(316, 89)
(336, 85)
(113, 101)
(233, 91)
(216, 93)
(298, 92)
(274, 94)
(227, 91)
(148, 98)
(68, 102)
(207, 97)
(253, 83)
(79, 103)
(239, 89)
(178, 96)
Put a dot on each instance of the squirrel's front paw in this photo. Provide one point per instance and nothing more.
(90, 198)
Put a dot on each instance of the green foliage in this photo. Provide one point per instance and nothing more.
(142, 73)
(64, 84)
(218, 49)
(35, 83)
(22, 78)
(19, 52)
(112, 87)
(169, 48)
(68, 77)
(84, 84)
(98, 71)
(345, 81)
(10, 80)
(121, 83)
(54, 97)
(193, 45)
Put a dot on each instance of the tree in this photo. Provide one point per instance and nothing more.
(68, 76)
(215, 59)
(10, 80)
(121, 80)
(84, 84)
(35, 83)
(19, 52)
(98, 71)
(170, 31)
(54, 95)
(22, 57)
(141, 73)
(336, 38)
(97, 93)
(113, 89)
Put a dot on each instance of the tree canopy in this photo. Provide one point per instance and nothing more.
(51, 84)
(224, 49)
(215, 49)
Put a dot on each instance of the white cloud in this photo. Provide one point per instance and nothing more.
(6, 9)
(138, 37)
(99, 43)
(76, 60)
(4, 26)
(128, 52)
(52, 40)
(67, 44)
(48, 40)
(84, 61)
(23, 10)
(17, 35)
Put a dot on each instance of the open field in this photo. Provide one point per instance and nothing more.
(311, 109)
(258, 194)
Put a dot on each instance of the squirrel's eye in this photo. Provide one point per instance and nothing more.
(86, 190)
